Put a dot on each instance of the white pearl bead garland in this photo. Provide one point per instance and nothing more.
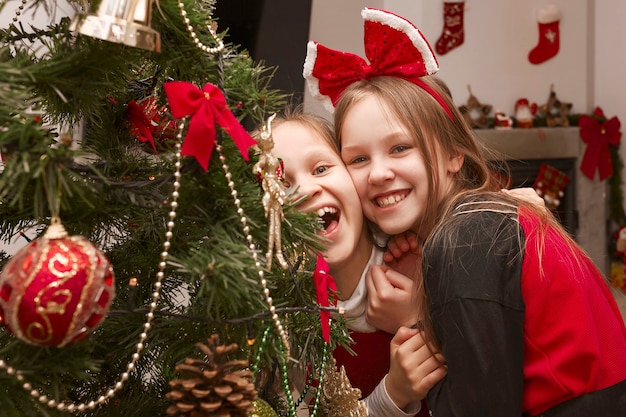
(80, 407)
(246, 230)
(19, 10)
(194, 37)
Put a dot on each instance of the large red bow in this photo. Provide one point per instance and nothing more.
(323, 281)
(206, 107)
(393, 46)
(598, 138)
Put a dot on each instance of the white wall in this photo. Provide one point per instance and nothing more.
(39, 17)
(493, 60)
(588, 70)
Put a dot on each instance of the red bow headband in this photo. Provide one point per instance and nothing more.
(393, 46)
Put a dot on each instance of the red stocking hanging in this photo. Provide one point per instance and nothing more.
(452, 35)
(550, 184)
(548, 45)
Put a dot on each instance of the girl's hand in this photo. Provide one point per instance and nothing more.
(401, 246)
(527, 194)
(391, 290)
(414, 369)
(390, 299)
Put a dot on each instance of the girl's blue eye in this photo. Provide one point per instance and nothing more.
(400, 148)
(320, 170)
(358, 160)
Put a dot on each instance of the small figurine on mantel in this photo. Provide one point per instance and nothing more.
(502, 121)
(525, 113)
(475, 112)
(556, 111)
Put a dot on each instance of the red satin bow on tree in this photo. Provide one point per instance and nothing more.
(393, 46)
(206, 107)
(323, 281)
(598, 138)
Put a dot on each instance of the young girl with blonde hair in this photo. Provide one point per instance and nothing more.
(525, 320)
(313, 167)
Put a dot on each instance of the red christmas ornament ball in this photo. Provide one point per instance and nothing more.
(56, 290)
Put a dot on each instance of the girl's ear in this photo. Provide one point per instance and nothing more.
(455, 162)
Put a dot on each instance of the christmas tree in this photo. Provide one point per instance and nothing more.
(120, 160)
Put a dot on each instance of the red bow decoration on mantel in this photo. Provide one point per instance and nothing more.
(206, 107)
(323, 281)
(393, 46)
(598, 138)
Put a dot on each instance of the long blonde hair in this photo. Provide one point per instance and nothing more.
(320, 125)
(433, 131)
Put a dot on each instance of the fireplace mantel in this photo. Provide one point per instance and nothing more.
(591, 195)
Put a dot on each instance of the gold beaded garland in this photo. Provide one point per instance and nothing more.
(246, 229)
(194, 36)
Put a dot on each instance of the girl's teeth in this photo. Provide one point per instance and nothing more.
(324, 210)
(390, 200)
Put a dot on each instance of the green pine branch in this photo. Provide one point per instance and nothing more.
(68, 151)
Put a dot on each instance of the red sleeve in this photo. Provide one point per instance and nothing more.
(574, 335)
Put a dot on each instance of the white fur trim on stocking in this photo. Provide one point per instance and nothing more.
(549, 14)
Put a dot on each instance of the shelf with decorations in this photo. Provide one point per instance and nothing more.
(594, 179)
(586, 147)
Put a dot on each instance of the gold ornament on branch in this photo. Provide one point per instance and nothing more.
(214, 386)
(270, 171)
(121, 21)
(341, 399)
(262, 409)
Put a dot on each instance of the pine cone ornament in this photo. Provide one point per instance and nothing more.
(213, 386)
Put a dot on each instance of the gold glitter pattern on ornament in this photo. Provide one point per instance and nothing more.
(341, 399)
(57, 289)
(274, 194)
(262, 409)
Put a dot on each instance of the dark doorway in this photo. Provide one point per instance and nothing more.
(273, 31)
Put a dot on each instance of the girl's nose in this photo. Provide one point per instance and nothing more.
(380, 172)
(308, 189)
